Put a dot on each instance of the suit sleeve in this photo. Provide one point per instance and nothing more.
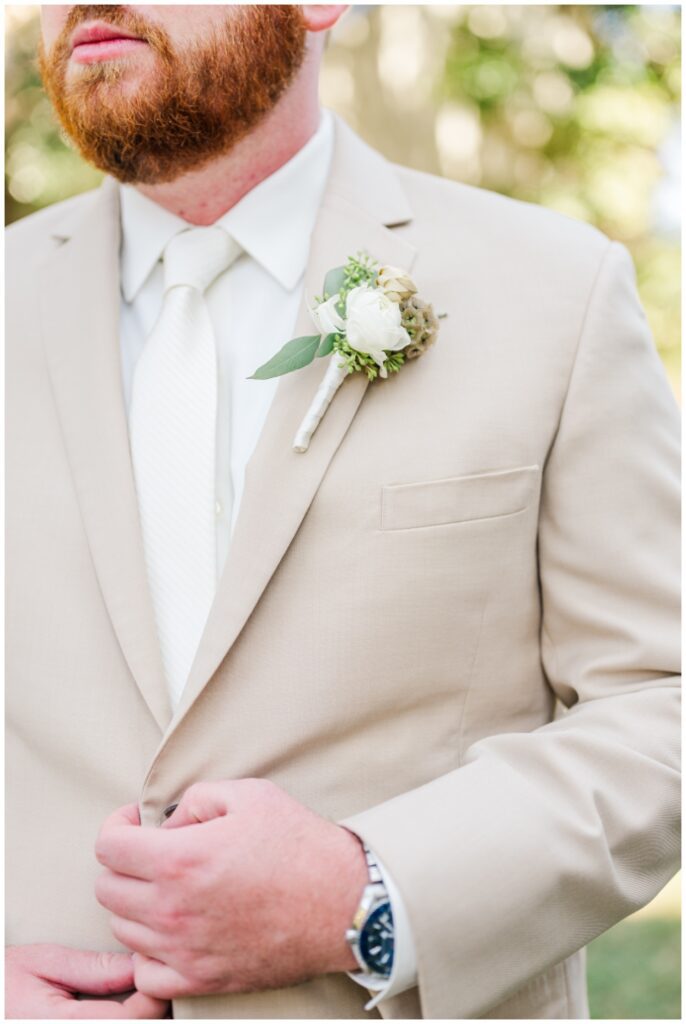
(540, 841)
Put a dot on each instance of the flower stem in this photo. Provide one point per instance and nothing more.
(333, 378)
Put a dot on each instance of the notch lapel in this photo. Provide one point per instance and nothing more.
(362, 196)
(80, 316)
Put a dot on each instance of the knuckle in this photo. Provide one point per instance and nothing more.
(169, 918)
(146, 982)
(177, 904)
(264, 784)
(203, 973)
(185, 963)
(169, 869)
(160, 920)
(101, 888)
(196, 791)
(157, 864)
(105, 962)
(140, 974)
(187, 860)
(179, 866)
(100, 850)
(118, 929)
(260, 787)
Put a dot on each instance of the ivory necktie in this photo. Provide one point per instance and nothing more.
(172, 425)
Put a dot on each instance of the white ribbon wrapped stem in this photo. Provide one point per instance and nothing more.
(333, 378)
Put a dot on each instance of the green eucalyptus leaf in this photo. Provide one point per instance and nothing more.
(333, 282)
(326, 345)
(293, 356)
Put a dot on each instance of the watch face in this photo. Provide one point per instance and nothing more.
(376, 940)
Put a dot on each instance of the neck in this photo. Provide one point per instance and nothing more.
(201, 197)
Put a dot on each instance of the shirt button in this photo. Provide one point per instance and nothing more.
(218, 507)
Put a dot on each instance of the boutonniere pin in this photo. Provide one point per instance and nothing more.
(370, 320)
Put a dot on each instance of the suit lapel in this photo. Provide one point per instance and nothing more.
(362, 192)
(80, 301)
(80, 317)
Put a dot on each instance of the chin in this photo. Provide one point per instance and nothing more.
(126, 71)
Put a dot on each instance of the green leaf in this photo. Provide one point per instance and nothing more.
(333, 282)
(295, 354)
(326, 345)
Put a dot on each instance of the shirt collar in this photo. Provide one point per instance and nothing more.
(273, 222)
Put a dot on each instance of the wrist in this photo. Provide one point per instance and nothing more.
(372, 933)
(347, 881)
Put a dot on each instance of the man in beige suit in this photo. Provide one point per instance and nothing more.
(486, 533)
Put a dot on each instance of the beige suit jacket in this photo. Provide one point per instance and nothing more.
(491, 529)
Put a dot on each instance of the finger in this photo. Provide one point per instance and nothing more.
(136, 937)
(201, 802)
(136, 1007)
(97, 974)
(158, 980)
(130, 849)
(131, 898)
(142, 1007)
(129, 814)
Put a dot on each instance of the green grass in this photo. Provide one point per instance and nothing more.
(634, 971)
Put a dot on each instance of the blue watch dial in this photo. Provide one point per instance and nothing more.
(376, 940)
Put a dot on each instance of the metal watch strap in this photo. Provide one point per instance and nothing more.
(373, 867)
(374, 891)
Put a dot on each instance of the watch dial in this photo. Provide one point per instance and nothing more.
(376, 941)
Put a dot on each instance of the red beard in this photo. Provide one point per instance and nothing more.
(194, 105)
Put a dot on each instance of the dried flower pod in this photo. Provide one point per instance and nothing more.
(420, 322)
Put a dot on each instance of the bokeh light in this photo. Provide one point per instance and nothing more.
(572, 106)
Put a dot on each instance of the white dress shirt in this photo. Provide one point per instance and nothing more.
(253, 307)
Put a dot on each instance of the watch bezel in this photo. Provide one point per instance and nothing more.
(375, 910)
(374, 896)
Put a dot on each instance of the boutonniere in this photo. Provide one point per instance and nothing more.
(370, 320)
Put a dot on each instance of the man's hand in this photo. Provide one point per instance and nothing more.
(42, 982)
(241, 889)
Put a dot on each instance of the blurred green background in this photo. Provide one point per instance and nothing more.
(572, 106)
(575, 107)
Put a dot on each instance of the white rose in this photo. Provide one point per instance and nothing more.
(373, 324)
(326, 316)
(395, 283)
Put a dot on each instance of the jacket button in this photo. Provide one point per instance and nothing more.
(168, 811)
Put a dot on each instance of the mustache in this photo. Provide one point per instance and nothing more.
(119, 15)
(115, 14)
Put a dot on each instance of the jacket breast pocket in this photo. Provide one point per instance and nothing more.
(458, 499)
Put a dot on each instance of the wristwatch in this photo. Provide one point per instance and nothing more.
(371, 935)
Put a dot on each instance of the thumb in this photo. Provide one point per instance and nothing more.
(97, 974)
(203, 801)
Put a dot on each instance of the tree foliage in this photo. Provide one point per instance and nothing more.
(572, 106)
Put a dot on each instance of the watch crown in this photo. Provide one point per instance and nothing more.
(351, 936)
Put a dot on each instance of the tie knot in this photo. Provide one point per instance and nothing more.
(197, 256)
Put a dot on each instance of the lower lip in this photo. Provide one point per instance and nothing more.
(106, 49)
